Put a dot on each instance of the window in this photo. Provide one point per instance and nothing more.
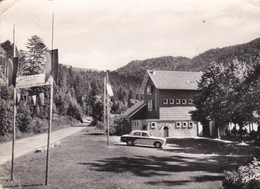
(145, 134)
(165, 101)
(184, 101)
(138, 134)
(149, 89)
(178, 125)
(190, 101)
(150, 105)
(184, 124)
(190, 124)
(171, 101)
(155, 100)
(135, 123)
(152, 126)
(178, 101)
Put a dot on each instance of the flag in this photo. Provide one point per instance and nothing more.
(42, 98)
(109, 88)
(2, 52)
(51, 67)
(12, 71)
(34, 99)
(18, 97)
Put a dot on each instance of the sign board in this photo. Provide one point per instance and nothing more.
(31, 81)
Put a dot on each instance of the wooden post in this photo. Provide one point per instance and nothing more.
(14, 133)
(14, 116)
(49, 135)
(51, 104)
(104, 104)
(107, 103)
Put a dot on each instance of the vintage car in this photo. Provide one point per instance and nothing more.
(143, 138)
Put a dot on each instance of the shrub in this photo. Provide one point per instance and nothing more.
(23, 118)
(114, 128)
(246, 177)
(37, 125)
(6, 118)
(74, 110)
(253, 135)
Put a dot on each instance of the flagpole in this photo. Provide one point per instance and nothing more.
(51, 104)
(107, 102)
(14, 115)
(104, 104)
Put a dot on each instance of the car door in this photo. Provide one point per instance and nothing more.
(146, 139)
(137, 138)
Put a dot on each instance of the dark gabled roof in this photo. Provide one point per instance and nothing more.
(131, 111)
(178, 80)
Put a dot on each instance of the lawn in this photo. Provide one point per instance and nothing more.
(84, 161)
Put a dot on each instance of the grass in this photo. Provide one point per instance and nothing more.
(84, 161)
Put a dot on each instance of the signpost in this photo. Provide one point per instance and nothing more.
(31, 81)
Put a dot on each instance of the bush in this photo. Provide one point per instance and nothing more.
(74, 110)
(23, 118)
(246, 177)
(6, 118)
(114, 128)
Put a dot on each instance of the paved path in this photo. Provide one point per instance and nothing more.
(26, 145)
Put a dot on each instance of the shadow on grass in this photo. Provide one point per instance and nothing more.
(151, 166)
(210, 157)
(135, 146)
(168, 182)
(94, 134)
(206, 146)
(22, 185)
(183, 182)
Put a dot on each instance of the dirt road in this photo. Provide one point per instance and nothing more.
(26, 145)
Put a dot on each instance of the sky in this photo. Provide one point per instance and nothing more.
(108, 34)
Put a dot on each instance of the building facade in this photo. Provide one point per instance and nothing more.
(168, 100)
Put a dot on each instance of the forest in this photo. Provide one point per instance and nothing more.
(78, 92)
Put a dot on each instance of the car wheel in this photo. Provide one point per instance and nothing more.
(157, 145)
(130, 143)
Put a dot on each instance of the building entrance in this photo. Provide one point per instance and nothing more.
(166, 132)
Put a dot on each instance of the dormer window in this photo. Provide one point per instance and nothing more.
(178, 101)
(165, 101)
(190, 101)
(149, 89)
(171, 101)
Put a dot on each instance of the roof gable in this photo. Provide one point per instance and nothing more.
(178, 80)
(131, 111)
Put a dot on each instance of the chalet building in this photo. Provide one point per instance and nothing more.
(168, 99)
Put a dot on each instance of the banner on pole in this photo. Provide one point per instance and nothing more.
(31, 81)
(51, 67)
(34, 99)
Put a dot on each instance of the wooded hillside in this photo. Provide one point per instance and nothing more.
(78, 92)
